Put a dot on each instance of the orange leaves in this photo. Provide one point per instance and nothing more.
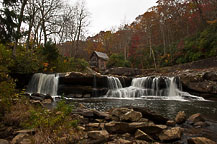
(45, 64)
(212, 22)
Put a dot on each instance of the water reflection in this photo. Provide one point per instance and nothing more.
(166, 108)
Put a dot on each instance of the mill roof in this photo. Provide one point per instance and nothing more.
(101, 55)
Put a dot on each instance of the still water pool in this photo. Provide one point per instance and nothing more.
(167, 108)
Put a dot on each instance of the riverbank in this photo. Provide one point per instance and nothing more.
(127, 125)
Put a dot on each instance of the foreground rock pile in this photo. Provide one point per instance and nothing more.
(141, 126)
(133, 125)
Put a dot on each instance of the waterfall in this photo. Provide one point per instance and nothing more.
(164, 87)
(44, 84)
(114, 83)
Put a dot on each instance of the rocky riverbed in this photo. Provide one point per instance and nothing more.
(127, 125)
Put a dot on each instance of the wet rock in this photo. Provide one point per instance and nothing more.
(195, 118)
(132, 116)
(103, 134)
(18, 138)
(200, 140)
(142, 136)
(149, 128)
(171, 134)
(118, 112)
(171, 123)
(2, 141)
(180, 117)
(211, 76)
(200, 124)
(152, 116)
(117, 127)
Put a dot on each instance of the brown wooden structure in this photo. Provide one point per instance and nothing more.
(99, 60)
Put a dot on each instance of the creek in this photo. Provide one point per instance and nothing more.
(160, 94)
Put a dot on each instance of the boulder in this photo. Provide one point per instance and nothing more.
(140, 142)
(200, 140)
(211, 76)
(180, 117)
(18, 138)
(2, 141)
(152, 116)
(117, 127)
(142, 136)
(149, 128)
(132, 116)
(118, 112)
(171, 123)
(195, 118)
(27, 131)
(103, 134)
(171, 134)
(120, 141)
(200, 124)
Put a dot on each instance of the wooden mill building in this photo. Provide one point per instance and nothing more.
(99, 60)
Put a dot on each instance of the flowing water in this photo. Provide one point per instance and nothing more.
(168, 88)
(43, 84)
(161, 94)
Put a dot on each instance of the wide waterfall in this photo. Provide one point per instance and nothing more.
(43, 84)
(149, 87)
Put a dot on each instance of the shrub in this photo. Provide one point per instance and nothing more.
(117, 60)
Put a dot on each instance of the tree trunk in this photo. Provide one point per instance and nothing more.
(20, 20)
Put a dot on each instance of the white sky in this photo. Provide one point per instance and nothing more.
(107, 14)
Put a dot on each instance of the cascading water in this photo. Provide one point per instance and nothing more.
(149, 87)
(43, 84)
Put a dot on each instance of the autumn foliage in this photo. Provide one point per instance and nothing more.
(170, 33)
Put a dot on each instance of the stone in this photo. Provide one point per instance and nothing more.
(123, 141)
(162, 126)
(180, 117)
(117, 127)
(126, 135)
(132, 116)
(118, 112)
(149, 128)
(87, 96)
(27, 131)
(171, 134)
(200, 140)
(103, 134)
(18, 138)
(142, 136)
(2, 141)
(150, 115)
(120, 141)
(26, 141)
(140, 142)
(171, 123)
(195, 118)
(200, 124)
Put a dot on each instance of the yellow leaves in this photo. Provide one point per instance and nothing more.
(212, 22)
